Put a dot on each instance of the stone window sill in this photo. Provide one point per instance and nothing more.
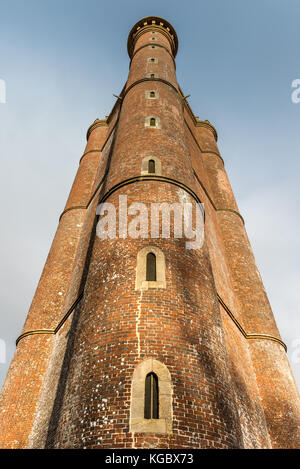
(149, 426)
(147, 285)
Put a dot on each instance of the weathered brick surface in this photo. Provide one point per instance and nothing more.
(57, 371)
(22, 388)
(275, 383)
(278, 392)
(119, 327)
(245, 388)
(73, 389)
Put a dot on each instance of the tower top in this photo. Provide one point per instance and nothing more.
(152, 23)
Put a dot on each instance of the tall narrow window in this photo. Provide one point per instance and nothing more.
(151, 166)
(151, 397)
(151, 94)
(152, 75)
(151, 267)
(151, 121)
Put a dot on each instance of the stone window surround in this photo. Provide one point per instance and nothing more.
(145, 161)
(148, 94)
(141, 267)
(152, 60)
(157, 122)
(151, 73)
(138, 424)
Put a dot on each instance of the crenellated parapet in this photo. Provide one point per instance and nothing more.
(152, 23)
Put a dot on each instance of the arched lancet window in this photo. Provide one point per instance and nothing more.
(152, 122)
(151, 267)
(151, 94)
(151, 166)
(151, 408)
(151, 398)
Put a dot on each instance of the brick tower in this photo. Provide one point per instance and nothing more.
(138, 341)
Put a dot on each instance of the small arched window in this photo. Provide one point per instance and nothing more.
(151, 166)
(152, 60)
(151, 267)
(152, 122)
(151, 94)
(152, 75)
(151, 397)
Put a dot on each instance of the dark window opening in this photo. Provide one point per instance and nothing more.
(152, 122)
(151, 166)
(152, 94)
(151, 397)
(152, 75)
(151, 267)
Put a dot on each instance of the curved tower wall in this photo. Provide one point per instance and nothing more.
(120, 326)
(97, 326)
(22, 388)
(277, 389)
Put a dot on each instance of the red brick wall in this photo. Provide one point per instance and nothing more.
(73, 389)
(119, 326)
(22, 388)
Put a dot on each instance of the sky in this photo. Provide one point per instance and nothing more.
(62, 61)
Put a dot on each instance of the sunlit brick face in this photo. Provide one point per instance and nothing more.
(139, 342)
